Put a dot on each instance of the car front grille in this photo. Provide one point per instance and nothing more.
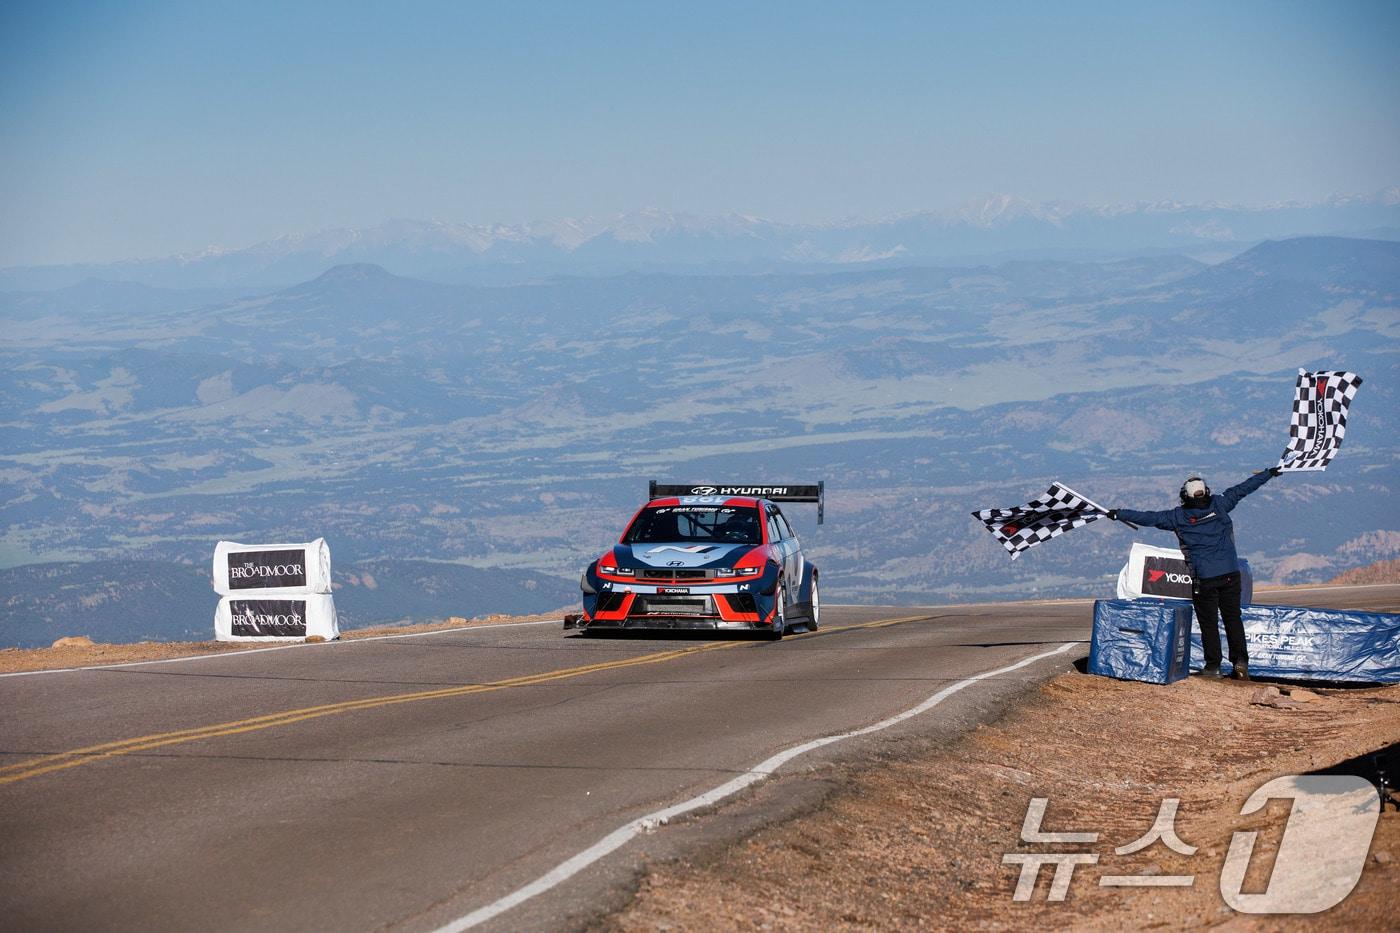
(666, 575)
(676, 605)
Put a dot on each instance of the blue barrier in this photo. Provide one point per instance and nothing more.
(1315, 644)
(1140, 639)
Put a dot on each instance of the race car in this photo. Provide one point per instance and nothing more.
(713, 558)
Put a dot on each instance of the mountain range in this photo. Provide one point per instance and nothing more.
(993, 229)
(499, 436)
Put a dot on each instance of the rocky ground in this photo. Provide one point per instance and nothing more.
(917, 842)
(1385, 571)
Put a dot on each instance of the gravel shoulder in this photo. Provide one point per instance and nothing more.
(917, 842)
(81, 652)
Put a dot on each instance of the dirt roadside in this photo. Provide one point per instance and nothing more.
(918, 843)
(81, 652)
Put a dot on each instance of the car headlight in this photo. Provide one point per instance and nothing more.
(749, 571)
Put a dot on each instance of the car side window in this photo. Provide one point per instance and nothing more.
(783, 524)
(775, 532)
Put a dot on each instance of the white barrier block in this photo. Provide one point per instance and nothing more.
(285, 569)
(1162, 573)
(278, 617)
(1164, 576)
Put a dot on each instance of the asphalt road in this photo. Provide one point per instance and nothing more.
(406, 782)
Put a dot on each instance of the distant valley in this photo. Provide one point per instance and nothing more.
(474, 446)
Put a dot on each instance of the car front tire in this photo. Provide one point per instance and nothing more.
(779, 615)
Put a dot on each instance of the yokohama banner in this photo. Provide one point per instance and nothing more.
(290, 618)
(1162, 573)
(285, 569)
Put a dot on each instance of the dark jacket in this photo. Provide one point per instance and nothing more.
(1207, 535)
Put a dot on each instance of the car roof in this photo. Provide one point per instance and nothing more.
(741, 502)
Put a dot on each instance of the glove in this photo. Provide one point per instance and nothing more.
(1275, 471)
(1113, 514)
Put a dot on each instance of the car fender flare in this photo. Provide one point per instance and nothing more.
(802, 606)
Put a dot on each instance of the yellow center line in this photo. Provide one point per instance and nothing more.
(78, 756)
(73, 758)
(887, 622)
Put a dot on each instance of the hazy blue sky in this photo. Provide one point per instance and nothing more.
(144, 128)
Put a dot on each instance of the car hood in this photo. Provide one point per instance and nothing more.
(683, 555)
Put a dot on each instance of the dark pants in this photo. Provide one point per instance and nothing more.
(1219, 597)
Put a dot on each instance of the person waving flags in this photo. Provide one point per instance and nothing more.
(1207, 537)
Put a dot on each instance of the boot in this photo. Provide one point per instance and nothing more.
(1212, 671)
(1241, 671)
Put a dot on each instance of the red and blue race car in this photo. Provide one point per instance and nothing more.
(707, 558)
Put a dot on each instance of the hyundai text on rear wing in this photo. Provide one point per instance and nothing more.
(788, 493)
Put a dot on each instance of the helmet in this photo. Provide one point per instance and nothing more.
(1194, 490)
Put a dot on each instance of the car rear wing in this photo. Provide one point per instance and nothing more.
(790, 493)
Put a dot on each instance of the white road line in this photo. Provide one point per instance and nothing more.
(236, 654)
(628, 831)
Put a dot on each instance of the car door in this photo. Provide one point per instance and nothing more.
(796, 559)
(786, 545)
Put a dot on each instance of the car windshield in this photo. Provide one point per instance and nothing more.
(709, 523)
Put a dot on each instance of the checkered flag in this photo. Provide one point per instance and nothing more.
(1022, 527)
(1319, 419)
